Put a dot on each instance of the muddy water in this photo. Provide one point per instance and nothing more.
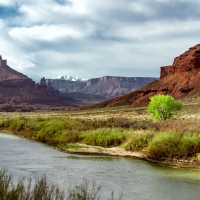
(137, 179)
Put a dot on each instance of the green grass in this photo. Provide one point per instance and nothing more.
(174, 145)
(103, 137)
(173, 138)
(137, 140)
(73, 146)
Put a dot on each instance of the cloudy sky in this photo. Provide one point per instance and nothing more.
(94, 38)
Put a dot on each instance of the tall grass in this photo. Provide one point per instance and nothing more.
(174, 145)
(42, 189)
(105, 137)
(137, 140)
(169, 139)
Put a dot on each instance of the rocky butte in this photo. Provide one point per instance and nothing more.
(17, 89)
(181, 80)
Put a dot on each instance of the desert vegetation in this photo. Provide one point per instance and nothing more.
(173, 138)
(42, 189)
(124, 127)
(162, 107)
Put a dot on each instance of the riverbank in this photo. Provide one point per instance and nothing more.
(168, 142)
(82, 149)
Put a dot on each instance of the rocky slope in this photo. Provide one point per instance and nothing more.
(181, 80)
(7, 73)
(106, 87)
(18, 89)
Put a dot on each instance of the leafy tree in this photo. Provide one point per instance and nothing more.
(162, 107)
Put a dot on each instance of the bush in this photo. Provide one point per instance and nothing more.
(164, 145)
(190, 145)
(137, 141)
(103, 137)
(162, 107)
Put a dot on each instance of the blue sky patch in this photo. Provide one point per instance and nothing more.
(62, 2)
(7, 12)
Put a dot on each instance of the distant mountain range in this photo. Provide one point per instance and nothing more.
(106, 87)
(19, 92)
(69, 78)
(181, 80)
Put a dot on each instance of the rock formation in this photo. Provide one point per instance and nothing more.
(106, 87)
(181, 80)
(17, 89)
(7, 73)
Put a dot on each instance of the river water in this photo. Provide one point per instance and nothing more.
(138, 180)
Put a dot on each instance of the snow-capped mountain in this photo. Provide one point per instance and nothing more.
(107, 86)
(69, 78)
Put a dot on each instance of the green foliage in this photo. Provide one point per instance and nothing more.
(174, 145)
(73, 146)
(162, 107)
(172, 138)
(137, 141)
(164, 145)
(103, 137)
(189, 145)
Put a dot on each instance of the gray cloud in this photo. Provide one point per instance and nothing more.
(90, 38)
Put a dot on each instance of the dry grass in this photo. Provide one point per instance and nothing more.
(126, 126)
(42, 189)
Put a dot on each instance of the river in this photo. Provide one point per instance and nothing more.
(137, 179)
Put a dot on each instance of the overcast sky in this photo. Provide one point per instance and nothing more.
(94, 38)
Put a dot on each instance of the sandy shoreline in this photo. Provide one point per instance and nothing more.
(118, 151)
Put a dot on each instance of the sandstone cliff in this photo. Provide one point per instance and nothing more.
(106, 87)
(181, 80)
(16, 88)
(7, 73)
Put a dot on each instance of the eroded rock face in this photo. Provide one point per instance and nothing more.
(186, 62)
(181, 80)
(16, 88)
(106, 87)
(7, 73)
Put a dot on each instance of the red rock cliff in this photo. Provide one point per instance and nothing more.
(17, 88)
(186, 62)
(181, 80)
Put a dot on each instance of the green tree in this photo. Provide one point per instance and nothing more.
(162, 107)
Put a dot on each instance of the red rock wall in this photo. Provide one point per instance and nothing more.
(166, 71)
(186, 62)
(181, 80)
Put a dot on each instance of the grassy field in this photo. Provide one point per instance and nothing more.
(125, 127)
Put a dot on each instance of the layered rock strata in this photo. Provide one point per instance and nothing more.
(106, 87)
(181, 80)
(16, 88)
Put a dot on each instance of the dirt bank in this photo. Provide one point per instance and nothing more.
(190, 164)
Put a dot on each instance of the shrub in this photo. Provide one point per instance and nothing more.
(190, 145)
(103, 137)
(137, 141)
(162, 107)
(164, 145)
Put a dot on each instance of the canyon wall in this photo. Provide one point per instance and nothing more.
(107, 87)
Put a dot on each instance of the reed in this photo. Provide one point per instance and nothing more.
(173, 138)
(43, 189)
